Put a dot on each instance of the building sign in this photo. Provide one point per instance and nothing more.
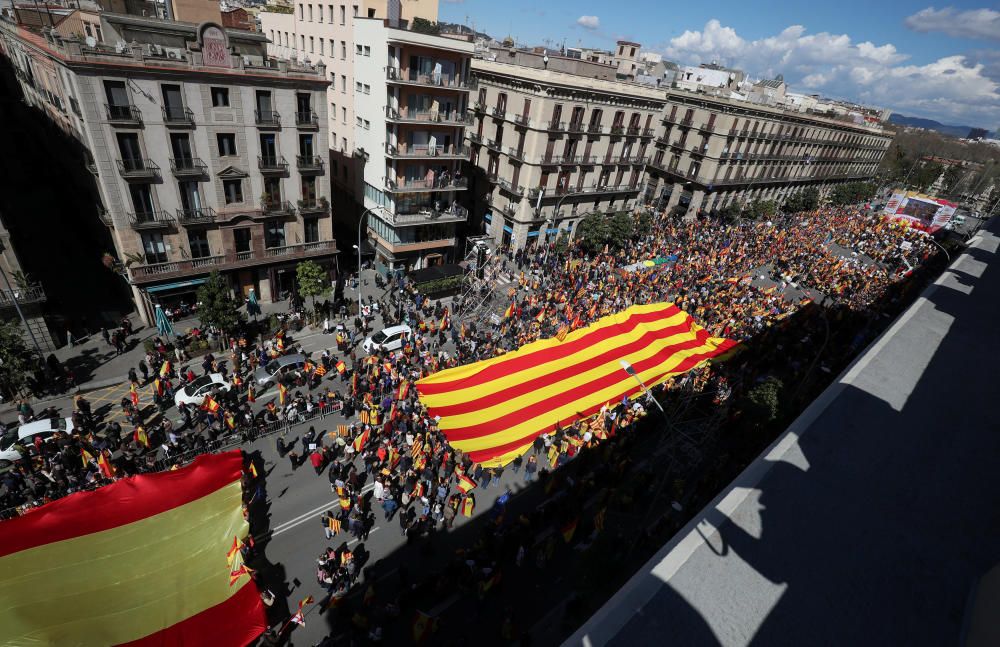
(214, 46)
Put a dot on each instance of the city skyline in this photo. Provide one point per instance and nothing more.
(920, 60)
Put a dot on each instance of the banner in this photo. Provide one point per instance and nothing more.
(923, 212)
(143, 561)
(494, 409)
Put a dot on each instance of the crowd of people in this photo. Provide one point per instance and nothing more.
(382, 436)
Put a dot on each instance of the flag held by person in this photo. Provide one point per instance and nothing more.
(361, 440)
(493, 409)
(282, 394)
(209, 404)
(468, 505)
(341, 367)
(465, 484)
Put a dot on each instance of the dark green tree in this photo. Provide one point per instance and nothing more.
(312, 279)
(217, 307)
(760, 209)
(592, 232)
(762, 403)
(15, 359)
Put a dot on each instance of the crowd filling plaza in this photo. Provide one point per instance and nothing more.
(741, 280)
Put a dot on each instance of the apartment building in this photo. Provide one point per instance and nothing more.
(323, 32)
(410, 136)
(711, 152)
(209, 154)
(555, 147)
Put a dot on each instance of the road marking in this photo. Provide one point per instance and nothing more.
(315, 512)
(354, 541)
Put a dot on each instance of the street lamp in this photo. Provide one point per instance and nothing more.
(631, 371)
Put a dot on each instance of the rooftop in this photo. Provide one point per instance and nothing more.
(871, 521)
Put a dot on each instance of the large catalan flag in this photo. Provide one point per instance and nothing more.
(144, 561)
(494, 409)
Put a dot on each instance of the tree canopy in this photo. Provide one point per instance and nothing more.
(312, 279)
(15, 358)
(217, 307)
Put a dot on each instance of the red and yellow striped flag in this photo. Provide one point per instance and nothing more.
(493, 409)
(465, 484)
(97, 546)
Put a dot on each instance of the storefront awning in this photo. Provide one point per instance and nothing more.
(175, 286)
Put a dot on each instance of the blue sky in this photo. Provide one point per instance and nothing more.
(935, 61)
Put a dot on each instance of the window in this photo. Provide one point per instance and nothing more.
(319, 13)
(357, 49)
(198, 242)
(241, 239)
(274, 234)
(343, 50)
(343, 146)
(227, 144)
(343, 14)
(220, 97)
(368, 50)
(142, 201)
(233, 190)
(330, 12)
(321, 52)
(343, 114)
(310, 13)
(358, 121)
(355, 11)
(311, 226)
(333, 140)
(302, 41)
(368, 89)
(357, 86)
(343, 83)
(368, 125)
(87, 29)
(312, 45)
(301, 17)
(153, 247)
(306, 145)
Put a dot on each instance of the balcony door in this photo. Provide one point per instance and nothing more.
(154, 248)
(128, 146)
(264, 106)
(180, 145)
(268, 147)
(173, 101)
(242, 239)
(306, 146)
(303, 105)
(190, 197)
(142, 200)
(118, 99)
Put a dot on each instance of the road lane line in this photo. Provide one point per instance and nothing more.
(354, 541)
(302, 518)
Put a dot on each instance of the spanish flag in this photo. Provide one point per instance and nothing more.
(133, 394)
(86, 456)
(107, 469)
(96, 546)
(341, 367)
(210, 404)
(404, 389)
(509, 312)
(141, 437)
(493, 409)
(468, 505)
(465, 484)
(568, 529)
(282, 394)
(165, 368)
(251, 394)
(360, 440)
(158, 385)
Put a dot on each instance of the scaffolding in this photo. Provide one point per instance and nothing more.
(482, 288)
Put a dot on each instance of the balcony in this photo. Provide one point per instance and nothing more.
(306, 120)
(272, 165)
(557, 125)
(686, 121)
(142, 220)
(138, 169)
(196, 216)
(178, 117)
(188, 167)
(277, 208)
(309, 164)
(576, 127)
(423, 185)
(424, 150)
(30, 294)
(105, 217)
(397, 75)
(584, 190)
(494, 144)
(127, 115)
(427, 215)
(446, 118)
(313, 206)
(267, 119)
(515, 191)
(232, 260)
(514, 154)
(633, 131)
(617, 130)
(522, 120)
(498, 112)
(595, 129)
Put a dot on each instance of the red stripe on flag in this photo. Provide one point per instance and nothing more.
(503, 395)
(123, 502)
(616, 375)
(233, 623)
(564, 349)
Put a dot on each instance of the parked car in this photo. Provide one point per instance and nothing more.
(195, 392)
(26, 435)
(388, 339)
(273, 371)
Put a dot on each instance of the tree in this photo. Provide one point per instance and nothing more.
(851, 193)
(619, 230)
(217, 308)
(313, 280)
(592, 232)
(804, 200)
(761, 209)
(424, 26)
(762, 403)
(15, 359)
(730, 213)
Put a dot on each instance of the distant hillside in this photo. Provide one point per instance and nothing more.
(929, 124)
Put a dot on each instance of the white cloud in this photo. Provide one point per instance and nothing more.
(971, 23)
(951, 89)
(589, 22)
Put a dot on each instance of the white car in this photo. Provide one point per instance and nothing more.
(389, 339)
(25, 435)
(195, 392)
